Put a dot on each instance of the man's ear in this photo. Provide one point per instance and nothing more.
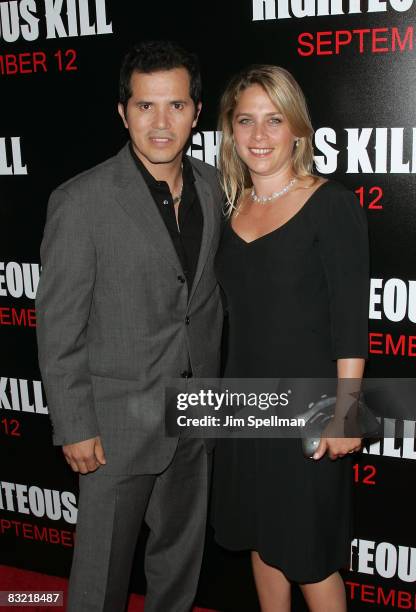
(197, 111)
(120, 109)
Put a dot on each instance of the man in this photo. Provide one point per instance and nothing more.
(127, 299)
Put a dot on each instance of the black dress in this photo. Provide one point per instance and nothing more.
(297, 300)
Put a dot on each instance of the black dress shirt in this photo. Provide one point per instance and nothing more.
(186, 239)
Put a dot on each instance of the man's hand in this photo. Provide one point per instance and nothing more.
(85, 456)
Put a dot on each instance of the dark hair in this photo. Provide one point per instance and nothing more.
(156, 55)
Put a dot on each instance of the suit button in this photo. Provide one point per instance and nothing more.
(181, 279)
(186, 374)
(187, 320)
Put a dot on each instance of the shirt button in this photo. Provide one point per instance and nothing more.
(186, 374)
(187, 320)
(181, 279)
(165, 202)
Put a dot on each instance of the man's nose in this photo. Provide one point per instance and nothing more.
(161, 120)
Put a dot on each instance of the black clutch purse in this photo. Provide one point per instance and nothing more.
(320, 413)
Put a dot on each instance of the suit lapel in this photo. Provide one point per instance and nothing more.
(207, 205)
(135, 198)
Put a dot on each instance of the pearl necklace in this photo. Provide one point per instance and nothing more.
(273, 196)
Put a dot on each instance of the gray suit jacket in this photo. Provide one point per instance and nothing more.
(111, 312)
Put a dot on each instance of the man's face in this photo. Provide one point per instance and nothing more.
(159, 115)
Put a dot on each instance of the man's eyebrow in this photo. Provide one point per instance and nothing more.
(170, 102)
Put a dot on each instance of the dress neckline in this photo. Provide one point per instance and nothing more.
(274, 231)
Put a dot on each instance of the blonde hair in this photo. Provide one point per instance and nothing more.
(285, 93)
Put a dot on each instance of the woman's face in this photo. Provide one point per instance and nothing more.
(262, 134)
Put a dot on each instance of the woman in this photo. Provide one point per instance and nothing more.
(293, 264)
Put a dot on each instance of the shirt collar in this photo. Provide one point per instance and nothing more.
(188, 175)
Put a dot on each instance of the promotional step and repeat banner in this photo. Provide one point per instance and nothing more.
(355, 60)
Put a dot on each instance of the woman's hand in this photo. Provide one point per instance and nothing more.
(350, 372)
(335, 447)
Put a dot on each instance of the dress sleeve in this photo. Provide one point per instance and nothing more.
(343, 244)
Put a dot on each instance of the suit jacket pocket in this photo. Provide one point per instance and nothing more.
(121, 405)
